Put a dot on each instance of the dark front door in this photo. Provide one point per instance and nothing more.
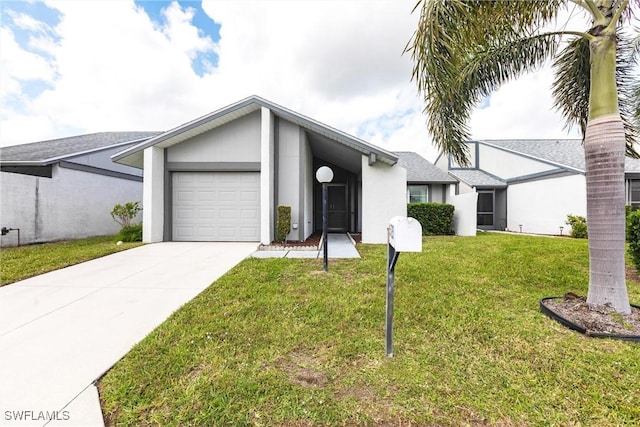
(486, 210)
(337, 207)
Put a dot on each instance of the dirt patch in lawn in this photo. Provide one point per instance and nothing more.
(304, 369)
(601, 319)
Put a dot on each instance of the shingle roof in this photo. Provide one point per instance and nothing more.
(55, 149)
(420, 169)
(563, 152)
(478, 178)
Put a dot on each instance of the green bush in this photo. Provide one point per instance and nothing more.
(131, 233)
(283, 224)
(435, 218)
(633, 237)
(124, 214)
(578, 226)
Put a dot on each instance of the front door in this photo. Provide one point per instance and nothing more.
(486, 210)
(337, 207)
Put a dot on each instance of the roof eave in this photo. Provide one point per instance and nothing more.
(165, 139)
(25, 162)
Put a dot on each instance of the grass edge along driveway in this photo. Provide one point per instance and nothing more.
(19, 263)
(279, 342)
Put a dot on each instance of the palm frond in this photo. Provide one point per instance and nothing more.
(627, 56)
(571, 84)
(463, 50)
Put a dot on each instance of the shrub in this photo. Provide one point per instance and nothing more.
(131, 233)
(283, 224)
(124, 214)
(633, 237)
(578, 226)
(435, 218)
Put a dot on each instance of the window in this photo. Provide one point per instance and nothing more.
(417, 193)
(633, 195)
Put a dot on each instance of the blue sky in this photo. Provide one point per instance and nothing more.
(207, 26)
(72, 67)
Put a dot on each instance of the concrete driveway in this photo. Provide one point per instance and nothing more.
(62, 330)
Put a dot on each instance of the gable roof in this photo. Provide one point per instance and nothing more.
(133, 155)
(46, 152)
(420, 169)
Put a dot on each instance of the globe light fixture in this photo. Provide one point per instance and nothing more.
(324, 175)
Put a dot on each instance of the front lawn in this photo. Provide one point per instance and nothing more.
(22, 262)
(279, 342)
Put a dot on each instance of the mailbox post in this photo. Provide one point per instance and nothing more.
(403, 235)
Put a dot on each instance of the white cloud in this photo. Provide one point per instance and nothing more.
(112, 68)
(521, 109)
(19, 64)
(27, 22)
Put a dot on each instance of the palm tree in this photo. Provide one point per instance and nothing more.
(464, 50)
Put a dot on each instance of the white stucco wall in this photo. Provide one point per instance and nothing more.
(267, 214)
(508, 165)
(236, 141)
(541, 207)
(153, 201)
(70, 205)
(442, 162)
(289, 173)
(383, 197)
(465, 213)
(465, 188)
(308, 178)
(471, 157)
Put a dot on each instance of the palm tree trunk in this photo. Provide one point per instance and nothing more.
(604, 146)
(604, 154)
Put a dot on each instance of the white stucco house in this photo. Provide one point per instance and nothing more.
(221, 177)
(529, 185)
(65, 188)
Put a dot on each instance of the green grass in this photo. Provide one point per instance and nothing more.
(22, 262)
(279, 342)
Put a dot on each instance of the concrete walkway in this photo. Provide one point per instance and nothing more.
(340, 246)
(62, 330)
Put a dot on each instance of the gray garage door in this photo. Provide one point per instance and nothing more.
(216, 206)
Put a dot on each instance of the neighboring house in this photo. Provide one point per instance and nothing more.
(221, 177)
(425, 181)
(529, 185)
(65, 188)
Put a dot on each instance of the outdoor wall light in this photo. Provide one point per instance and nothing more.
(324, 175)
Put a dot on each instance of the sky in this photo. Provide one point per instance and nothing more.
(72, 67)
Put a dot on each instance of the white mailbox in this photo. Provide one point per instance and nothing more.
(405, 234)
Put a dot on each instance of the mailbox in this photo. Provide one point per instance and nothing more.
(405, 234)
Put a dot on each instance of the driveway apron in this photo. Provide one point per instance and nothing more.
(62, 330)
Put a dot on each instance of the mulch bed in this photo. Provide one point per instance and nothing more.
(598, 320)
(312, 242)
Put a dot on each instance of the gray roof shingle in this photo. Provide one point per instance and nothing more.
(420, 169)
(478, 178)
(55, 149)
